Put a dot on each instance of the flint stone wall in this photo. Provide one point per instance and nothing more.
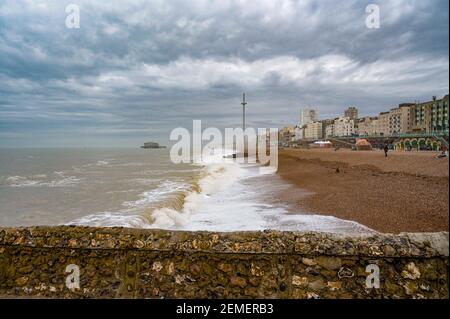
(132, 263)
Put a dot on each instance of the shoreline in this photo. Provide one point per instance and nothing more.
(406, 192)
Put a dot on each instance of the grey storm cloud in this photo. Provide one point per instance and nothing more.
(135, 70)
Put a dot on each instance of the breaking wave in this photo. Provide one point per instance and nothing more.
(172, 202)
(177, 211)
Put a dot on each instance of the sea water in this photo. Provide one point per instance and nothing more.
(142, 188)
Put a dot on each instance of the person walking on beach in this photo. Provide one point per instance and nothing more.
(386, 149)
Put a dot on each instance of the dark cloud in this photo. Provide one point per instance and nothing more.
(137, 69)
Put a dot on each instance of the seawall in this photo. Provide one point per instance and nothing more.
(132, 263)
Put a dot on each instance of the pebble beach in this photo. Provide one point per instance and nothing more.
(405, 192)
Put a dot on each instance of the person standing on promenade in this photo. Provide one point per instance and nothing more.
(386, 149)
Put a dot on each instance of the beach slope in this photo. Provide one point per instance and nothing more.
(405, 192)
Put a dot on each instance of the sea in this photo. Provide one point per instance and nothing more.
(143, 188)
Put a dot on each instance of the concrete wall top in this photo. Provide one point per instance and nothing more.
(424, 245)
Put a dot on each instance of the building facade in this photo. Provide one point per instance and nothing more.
(313, 130)
(344, 126)
(309, 115)
(287, 135)
(400, 119)
(299, 133)
(351, 112)
(327, 128)
(382, 125)
(420, 117)
(366, 126)
(439, 115)
(430, 117)
(374, 126)
(394, 121)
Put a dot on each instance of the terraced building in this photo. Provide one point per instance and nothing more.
(430, 117)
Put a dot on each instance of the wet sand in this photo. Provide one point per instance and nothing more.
(405, 192)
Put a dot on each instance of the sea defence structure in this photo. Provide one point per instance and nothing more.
(85, 262)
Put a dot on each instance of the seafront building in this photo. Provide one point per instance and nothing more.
(309, 127)
(313, 130)
(430, 117)
(366, 126)
(299, 132)
(421, 117)
(400, 119)
(382, 125)
(328, 127)
(287, 134)
(344, 126)
(351, 112)
(439, 115)
(406, 119)
(309, 115)
(329, 130)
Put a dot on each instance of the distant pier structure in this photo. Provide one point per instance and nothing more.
(152, 145)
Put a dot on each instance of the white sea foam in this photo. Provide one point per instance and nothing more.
(159, 193)
(20, 181)
(111, 219)
(38, 181)
(66, 181)
(238, 207)
(216, 177)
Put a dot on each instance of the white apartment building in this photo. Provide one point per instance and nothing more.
(299, 132)
(309, 115)
(313, 130)
(344, 126)
(329, 130)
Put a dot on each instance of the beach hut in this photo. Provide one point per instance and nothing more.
(363, 145)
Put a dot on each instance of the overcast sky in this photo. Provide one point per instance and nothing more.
(135, 70)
